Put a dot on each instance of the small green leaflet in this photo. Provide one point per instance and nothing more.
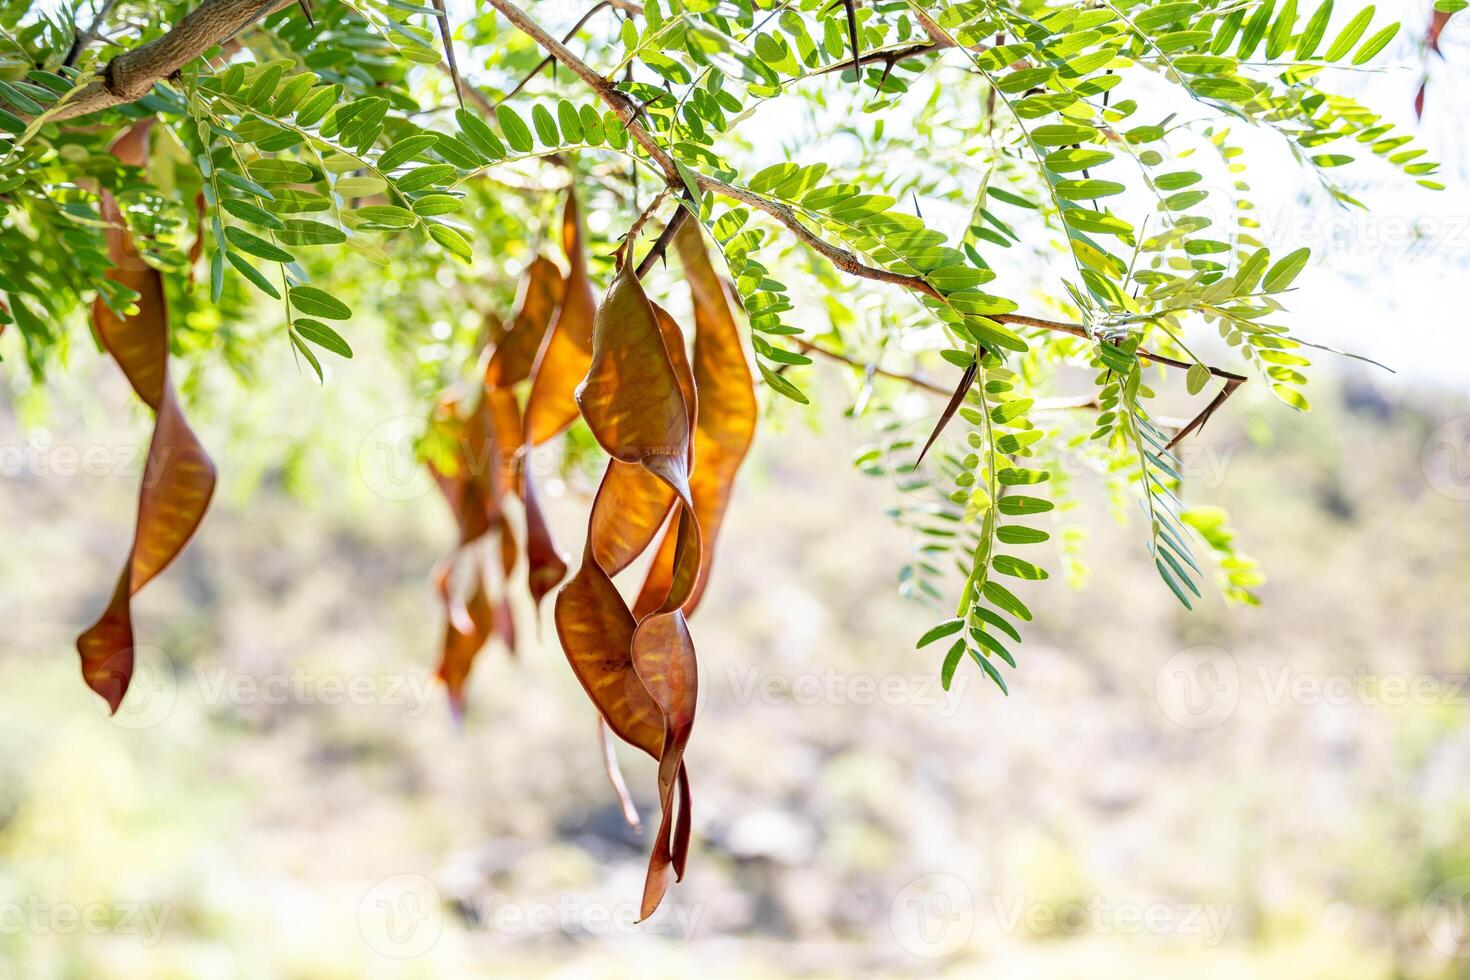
(939, 632)
(322, 335)
(317, 303)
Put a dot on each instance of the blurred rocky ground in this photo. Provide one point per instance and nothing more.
(1270, 792)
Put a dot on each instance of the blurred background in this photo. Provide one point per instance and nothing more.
(1277, 791)
(1271, 792)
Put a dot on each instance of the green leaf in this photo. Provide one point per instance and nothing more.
(479, 134)
(244, 184)
(1020, 534)
(246, 211)
(571, 123)
(387, 216)
(305, 352)
(1196, 378)
(1284, 272)
(299, 231)
(421, 177)
(516, 133)
(1016, 568)
(1314, 32)
(939, 632)
(997, 620)
(992, 644)
(592, 128)
(364, 186)
(1062, 134)
(990, 671)
(257, 246)
(317, 105)
(281, 172)
(33, 101)
(452, 240)
(1375, 44)
(291, 94)
(1018, 505)
(1002, 597)
(1350, 34)
(1173, 585)
(317, 303)
(1070, 161)
(545, 126)
(322, 335)
(1082, 190)
(264, 86)
(1280, 35)
(687, 175)
(951, 662)
(405, 150)
(782, 386)
(251, 273)
(433, 204)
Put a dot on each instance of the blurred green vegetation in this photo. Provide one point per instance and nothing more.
(288, 767)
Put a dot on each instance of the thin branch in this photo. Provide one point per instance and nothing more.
(955, 401)
(86, 37)
(566, 38)
(918, 382)
(844, 260)
(852, 31)
(1210, 409)
(1064, 403)
(661, 244)
(443, 18)
(1227, 376)
(888, 58)
(130, 75)
(622, 106)
(631, 235)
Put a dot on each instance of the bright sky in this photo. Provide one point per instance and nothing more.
(1386, 282)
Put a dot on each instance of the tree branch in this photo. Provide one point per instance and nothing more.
(923, 384)
(661, 244)
(86, 37)
(130, 75)
(566, 39)
(844, 260)
(1204, 416)
(620, 104)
